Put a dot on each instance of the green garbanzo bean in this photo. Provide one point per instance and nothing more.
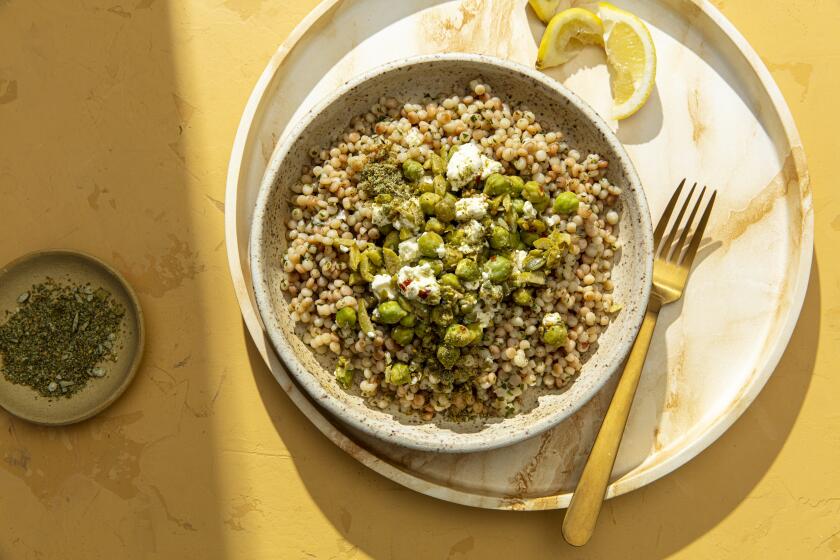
(428, 201)
(499, 238)
(496, 184)
(398, 373)
(390, 312)
(498, 268)
(445, 209)
(477, 331)
(345, 317)
(522, 297)
(426, 186)
(433, 224)
(450, 280)
(516, 184)
(458, 335)
(535, 193)
(566, 203)
(429, 244)
(408, 321)
(402, 335)
(413, 170)
(448, 355)
(468, 270)
(555, 335)
(467, 304)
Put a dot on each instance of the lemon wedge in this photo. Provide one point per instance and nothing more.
(566, 34)
(631, 57)
(545, 9)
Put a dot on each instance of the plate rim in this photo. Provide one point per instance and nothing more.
(636, 478)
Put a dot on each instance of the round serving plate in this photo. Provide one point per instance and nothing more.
(716, 117)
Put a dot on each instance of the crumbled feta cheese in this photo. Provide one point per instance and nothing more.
(470, 208)
(409, 250)
(473, 232)
(441, 251)
(419, 282)
(484, 316)
(413, 138)
(379, 214)
(519, 259)
(464, 166)
(489, 166)
(471, 285)
(528, 211)
(552, 319)
(473, 237)
(411, 208)
(520, 360)
(382, 287)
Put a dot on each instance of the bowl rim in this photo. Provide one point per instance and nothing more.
(385, 429)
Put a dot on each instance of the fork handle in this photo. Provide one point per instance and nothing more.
(580, 519)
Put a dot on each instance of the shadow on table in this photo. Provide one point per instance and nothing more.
(93, 157)
(385, 520)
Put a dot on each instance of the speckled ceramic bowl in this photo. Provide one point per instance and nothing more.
(555, 107)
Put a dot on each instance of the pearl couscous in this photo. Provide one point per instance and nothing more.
(451, 255)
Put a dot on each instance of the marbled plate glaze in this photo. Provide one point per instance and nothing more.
(716, 116)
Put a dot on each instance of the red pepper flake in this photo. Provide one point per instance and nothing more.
(423, 294)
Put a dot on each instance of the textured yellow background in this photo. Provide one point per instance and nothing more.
(116, 121)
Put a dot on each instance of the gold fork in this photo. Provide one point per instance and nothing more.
(670, 273)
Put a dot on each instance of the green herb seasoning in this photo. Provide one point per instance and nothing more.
(379, 179)
(58, 337)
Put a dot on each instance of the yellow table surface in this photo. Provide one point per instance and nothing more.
(116, 123)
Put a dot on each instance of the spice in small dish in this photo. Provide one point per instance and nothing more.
(59, 337)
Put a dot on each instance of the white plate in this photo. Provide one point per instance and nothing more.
(716, 116)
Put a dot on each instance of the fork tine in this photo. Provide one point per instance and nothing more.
(666, 245)
(698, 234)
(675, 255)
(666, 215)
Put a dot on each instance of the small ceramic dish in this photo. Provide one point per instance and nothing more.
(555, 107)
(18, 277)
